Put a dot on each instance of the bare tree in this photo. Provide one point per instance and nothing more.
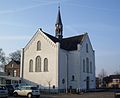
(2, 59)
(117, 72)
(49, 84)
(101, 75)
(15, 55)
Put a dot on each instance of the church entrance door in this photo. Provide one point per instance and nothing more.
(87, 83)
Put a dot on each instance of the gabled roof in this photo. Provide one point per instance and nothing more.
(110, 78)
(13, 61)
(54, 39)
(69, 43)
(114, 76)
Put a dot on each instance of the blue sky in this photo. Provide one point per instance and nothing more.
(20, 19)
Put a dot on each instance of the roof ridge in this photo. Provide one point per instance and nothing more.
(75, 36)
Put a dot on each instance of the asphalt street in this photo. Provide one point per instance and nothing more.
(85, 95)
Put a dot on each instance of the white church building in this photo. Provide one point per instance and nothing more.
(59, 63)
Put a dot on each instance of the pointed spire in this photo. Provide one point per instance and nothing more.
(59, 21)
(58, 25)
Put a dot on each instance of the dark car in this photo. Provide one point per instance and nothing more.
(3, 91)
(10, 89)
(117, 93)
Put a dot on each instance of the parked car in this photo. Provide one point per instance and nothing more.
(116, 93)
(10, 89)
(3, 91)
(27, 90)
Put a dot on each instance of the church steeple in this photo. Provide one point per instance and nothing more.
(58, 26)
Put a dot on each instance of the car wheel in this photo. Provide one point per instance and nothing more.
(29, 95)
(15, 94)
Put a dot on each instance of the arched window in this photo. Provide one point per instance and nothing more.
(38, 64)
(87, 65)
(31, 66)
(90, 67)
(63, 81)
(87, 48)
(73, 77)
(38, 45)
(84, 65)
(45, 65)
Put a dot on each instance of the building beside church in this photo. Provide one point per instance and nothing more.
(11, 74)
(13, 68)
(111, 81)
(57, 62)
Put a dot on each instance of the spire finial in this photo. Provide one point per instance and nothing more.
(59, 6)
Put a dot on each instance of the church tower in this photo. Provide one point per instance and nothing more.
(58, 26)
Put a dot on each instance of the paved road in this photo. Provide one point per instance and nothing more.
(86, 95)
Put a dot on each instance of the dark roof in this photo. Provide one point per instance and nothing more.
(114, 76)
(17, 62)
(54, 39)
(69, 43)
(108, 79)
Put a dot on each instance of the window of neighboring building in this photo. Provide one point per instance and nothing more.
(90, 67)
(15, 73)
(38, 45)
(12, 65)
(83, 65)
(31, 66)
(8, 73)
(73, 77)
(87, 48)
(87, 65)
(45, 65)
(38, 64)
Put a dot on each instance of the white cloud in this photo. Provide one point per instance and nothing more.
(39, 3)
(7, 38)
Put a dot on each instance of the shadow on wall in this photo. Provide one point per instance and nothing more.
(41, 87)
(25, 81)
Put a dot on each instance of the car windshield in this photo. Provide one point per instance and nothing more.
(9, 86)
(2, 88)
(34, 88)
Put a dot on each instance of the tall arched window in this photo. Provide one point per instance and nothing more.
(38, 64)
(73, 78)
(45, 65)
(87, 48)
(87, 65)
(84, 65)
(31, 65)
(38, 45)
(90, 67)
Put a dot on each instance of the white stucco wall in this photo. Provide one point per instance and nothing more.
(84, 55)
(48, 50)
(62, 69)
(74, 69)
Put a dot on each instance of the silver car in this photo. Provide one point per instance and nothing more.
(3, 91)
(28, 91)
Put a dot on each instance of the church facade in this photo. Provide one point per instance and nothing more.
(59, 63)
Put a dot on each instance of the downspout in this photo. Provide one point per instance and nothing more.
(67, 74)
(22, 64)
